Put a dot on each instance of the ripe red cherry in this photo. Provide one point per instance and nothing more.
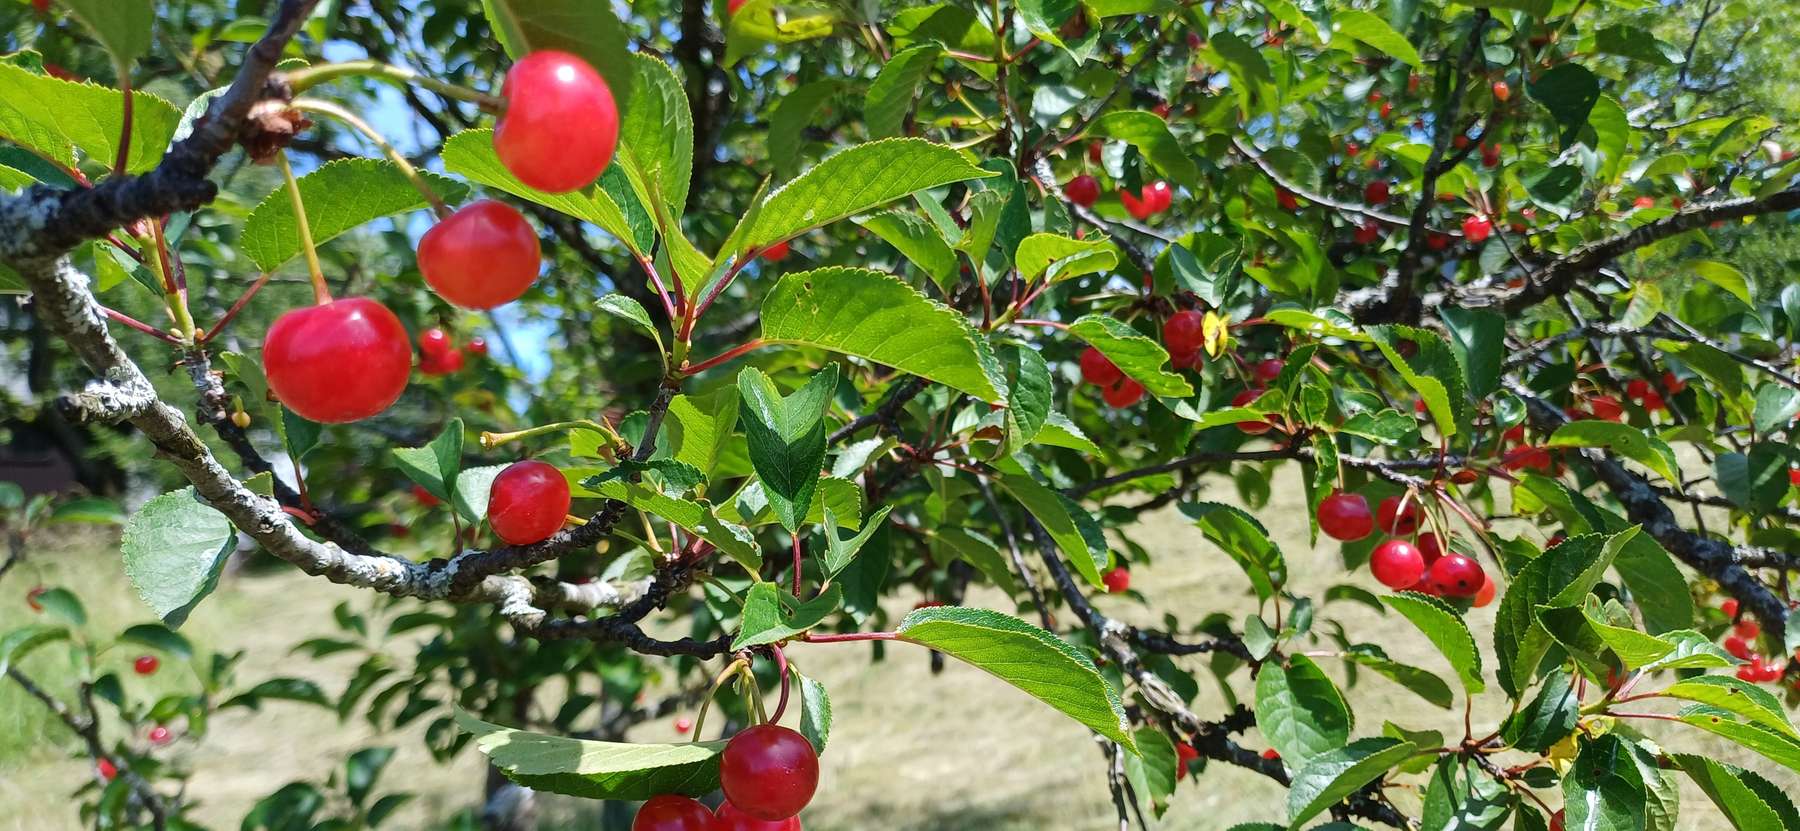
(106, 769)
(1436, 241)
(310, 352)
(434, 341)
(1643, 202)
(732, 819)
(1123, 393)
(1729, 607)
(561, 125)
(1747, 629)
(1117, 580)
(159, 735)
(1653, 401)
(1430, 547)
(1254, 427)
(1606, 407)
(683, 725)
(482, 256)
(1490, 155)
(1368, 232)
(1397, 564)
(1455, 575)
(1184, 331)
(1097, 368)
(1387, 109)
(31, 598)
(1738, 647)
(1390, 517)
(769, 772)
(1346, 516)
(1159, 194)
(1460, 141)
(670, 812)
(1376, 193)
(1083, 190)
(1271, 754)
(1556, 820)
(145, 664)
(529, 502)
(1184, 753)
(1153, 198)
(478, 346)
(1672, 384)
(1502, 92)
(1485, 594)
(1477, 228)
(424, 496)
(448, 363)
(1636, 389)
(734, 5)
(1268, 370)
(776, 253)
(1094, 148)
(1186, 360)
(1285, 198)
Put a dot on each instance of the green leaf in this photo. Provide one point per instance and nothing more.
(121, 26)
(766, 21)
(786, 435)
(339, 197)
(610, 203)
(1462, 797)
(280, 689)
(980, 552)
(1604, 790)
(1779, 747)
(1635, 43)
(815, 713)
(1059, 431)
(856, 180)
(1634, 444)
(1375, 33)
(1300, 711)
(840, 551)
(62, 603)
(1433, 371)
(49, 116)
(891, 94)
(20, 642)
(1069, 525)
(1756, 481)
(701, 426)
(771, 614)
(1549, 718)
(1569, 91)
(1137, 356)
(471, 491)
(1446, 631)
(696, 517)
(158, 637)
(1150, 135)
(792, 114)
(882, 319)
(1152, 771)
(434, 466)
(1027, 657)
(1561, 576)
(588, 29)
(1389, 427)
(174, 548)
(632, 312)
(1731, 790)
(1749, 701)
(1725, 276)
(1044, 18)
(656, 133)
(1479, 339)
(1058, 258)
(1692, 650)
(90, 510)
(1776, 405)
(1555, 188)
(1329, 777)
(596, 770)
(1420, 682)
(918, 241)
(1244, 540)
(1028, 394)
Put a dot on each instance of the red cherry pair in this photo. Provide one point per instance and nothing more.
(1115, 388)
(438, 354)
(1153, 198)
(768, 774)
(679, 813)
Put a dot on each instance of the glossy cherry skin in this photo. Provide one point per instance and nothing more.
(769, 772)
(776, 253)
(434, 341)
(145, 665)
(1368, 232)
(424, 496)
(1153, 198)
(340, 362)
(732, 819)
(670, 812)
(1502, 92)
(1285, 198)
(1268, 370)
(1159, 193)
(1122, 393)
(1346, 517)
(445, 363)
(1455, 575)
(1184, 753)
(683, 725)
(1746, 628)
(1083, 190)
(478, 346)
(1097, 369)
(1376, 192)
(482, 256)
(1477, 228)
(159, 735)
(1729, 606)
(1431, 547)
(1606, 407)
(1391, 518)
(1738, 647)
(1254, 427)
(1397, 564)
(106, 769)
(560, 127)
(1117, 580)
(1485, 594)
(1183, 332)
(529, 502)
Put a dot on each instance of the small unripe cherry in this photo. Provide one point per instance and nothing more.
(1456, 575)
(776, 253)
(1184, 332)
(1122, 393)
(561, 125)
(1117, 580)
(732, 819)
(482, 256)
(769, 772)
(145, 665)
(1098, 369)
(1397, 564)
(337, 362)
(1345, 516)
(1083, 190)
(528, 503)
(670, 812)
(1391, 517)
(1485, 594)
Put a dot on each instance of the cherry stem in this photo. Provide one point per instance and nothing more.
(849, 637)
(406, 168)
(302, 79)
(722, 357)
(232, 312)
(781, 668)
(730, 670)
(799, 554)
(321, 292)
(662, 292)
(139, 325)
(125, 114)
(174, 298)
(489, 441)
(1046, 323)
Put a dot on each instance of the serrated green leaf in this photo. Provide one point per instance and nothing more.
(891, 94)
(471, 491)
(339, 197)
(1420, 682)
(1244, 540)
(841, 551)
(1152, 772)
(815, 713)
(757, 22)
(1028, 396)
(1331, 776)
(1446, 630)
(1059, 431)
(1776, 405)
(918, 241)
(786, 436)
(1478, 337)
(1561, 576)
(792, 115)
(855, 180)
(695, 516)
(174, 548)
(1740, 698)
(1569, 91)
(596, 770)
(1692, 650)
(1150, 135)
(158, 637)
(1069, 525)
(1027, 657)
(1778, 747)
(50, 116)
(1389, 427)
(656, 132)
(121, 26)
(589, 30)
(1729, 789)
(772, 615)
(1135, 355)
(1057, 258)
(1604, 791)
(434, 466)
(1433, 371)
(610, 203)
(1646, 449)
(1548, 719)
(699, 427)
(632, 312)
(1375, 33)
(1300, 711)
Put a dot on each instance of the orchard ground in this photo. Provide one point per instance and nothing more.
(909, 751)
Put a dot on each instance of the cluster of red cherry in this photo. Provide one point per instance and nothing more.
(439, 355)
(1424, 565)
(1744, 633)
(768, 774)
(1651, 398)
(557, 135)
(1151, 199)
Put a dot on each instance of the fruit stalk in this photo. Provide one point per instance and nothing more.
(406, 168)
(321, 292)
(302, 79)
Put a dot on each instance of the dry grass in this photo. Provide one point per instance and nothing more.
(910, 751)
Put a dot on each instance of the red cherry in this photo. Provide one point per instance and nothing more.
(732, 6)
(1636, 389)
(769, 772)
(160, 735)
(1117, 580)
(1752, 671)
(670, 812)
(31, 598)
(1747, 629)
(1376, 193)
(1122, 394)
(732, 819)
(1255, 426)
(1161, 110)
(1738, 647)
(529, 502)
(424, 496)
(1520, 458)
(434, 342)
(1083, 190)
(1455, 575)
(1461, 141)
(1390, 517)
(310, 352)
(1151, 199)
(1184, 331)
(1653, 401)
(1794, 476)
(1436, 241)
(1268, 370)
(1477, 228)
(1374, 96)
(1345, 516)
(776, 253)
(1187, 360)
(106, 769)
(1606, 407)
(1094, 148)
(1413, 81)
(1672, 384)
(145, 665)
(1397, 564)
(1502, 92)
(1159, 195)
(1485, 594)
(1097, 368)
(1556, 820)
(1184, 754)
(1271, 754)
(478, 346)
(560, 126)
(1285, 198)
(482, 256)
(1352, 148)
(1729, 607)
(1430, 548)
(1387, 109)
(41, 6)
(448, 363)
(683, 725)
(1368, 232)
